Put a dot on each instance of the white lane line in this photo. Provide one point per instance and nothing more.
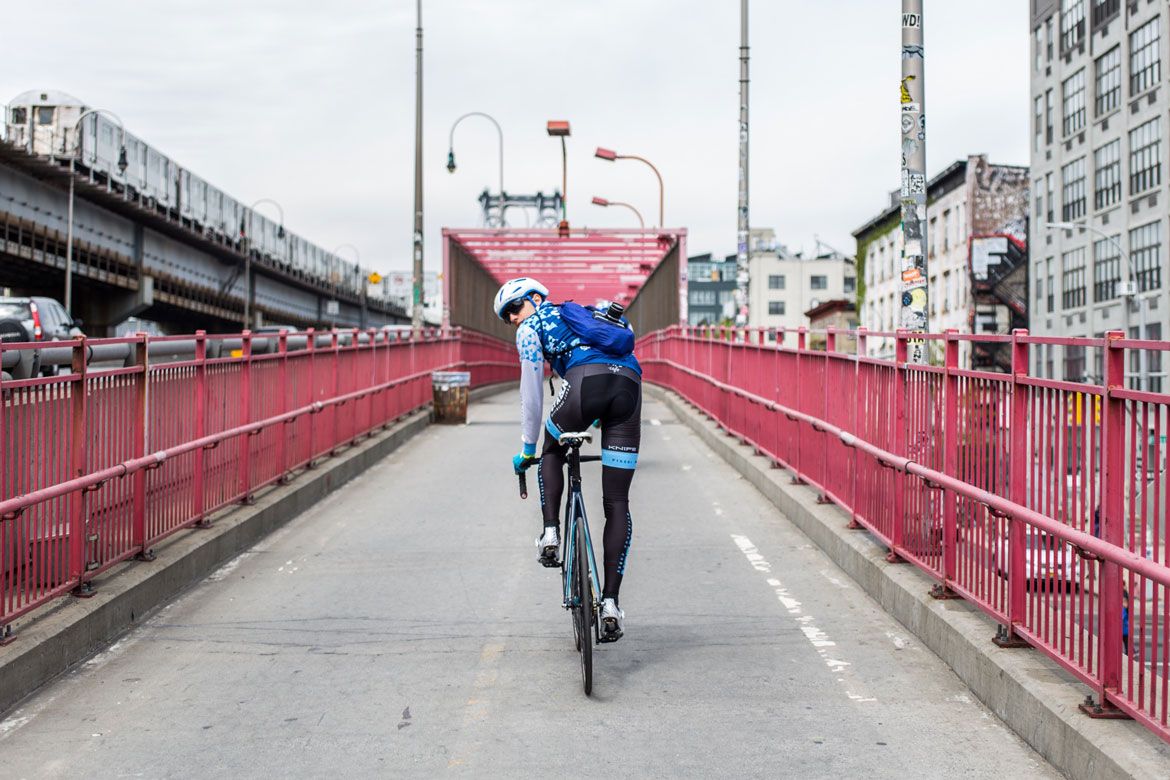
(816, 637)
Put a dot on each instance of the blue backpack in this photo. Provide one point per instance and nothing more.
(597, 331)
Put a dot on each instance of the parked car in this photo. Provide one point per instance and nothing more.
(1048, 561)
(36, 319)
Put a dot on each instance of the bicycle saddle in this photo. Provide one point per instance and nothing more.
(574, 439)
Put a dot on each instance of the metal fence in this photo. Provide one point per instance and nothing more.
(99, 465)
(1043, 502)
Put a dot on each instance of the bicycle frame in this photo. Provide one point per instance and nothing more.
(574, 514)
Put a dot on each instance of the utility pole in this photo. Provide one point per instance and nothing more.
(416, 315)
(742, 227)
(914, 244)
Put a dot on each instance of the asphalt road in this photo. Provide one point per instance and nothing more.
(403, 628)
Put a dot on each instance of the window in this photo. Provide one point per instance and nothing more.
(1106, 268)
(1048, 110)
(19, 116)
(1073, 279)
(1107, 175)
(776, 282)
(818, 282)
(44, 115)
(1038, 48)
(850, 284)
(1051, 216)
(1145, 244)
(1038, 123)
(1145, 61)
(1051, 285)
(702, 297)
(946, 227)
(1074, 363)
(775, 307)
(1153, 359)
(1072, 184)
(1108, 74)
(1073, 95)
(1038, 275)
(1048, 39)
(700, 270)
(1104, 10)
(1072, 23)
(1145, 156)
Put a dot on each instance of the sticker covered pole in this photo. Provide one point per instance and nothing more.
(742, 228)
(913, 105)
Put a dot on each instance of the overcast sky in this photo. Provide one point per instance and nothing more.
(311, 103)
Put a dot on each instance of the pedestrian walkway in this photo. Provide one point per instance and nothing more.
(402, 627)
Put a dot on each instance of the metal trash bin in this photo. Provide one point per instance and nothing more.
(450, 390)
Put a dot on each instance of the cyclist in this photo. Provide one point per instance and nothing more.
(594, 387)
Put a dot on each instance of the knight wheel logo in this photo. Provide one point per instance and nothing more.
(614, 369)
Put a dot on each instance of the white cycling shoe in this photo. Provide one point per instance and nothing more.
(612, 621)
(549, 543)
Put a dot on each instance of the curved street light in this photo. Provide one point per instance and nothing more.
(122, 165)
(1131, 292)
(604, 203)
(451, 143)
(609, 154)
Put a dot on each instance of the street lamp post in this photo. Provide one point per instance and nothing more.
(248, 254)
(499, 134)
(560, 129)
(417, 266)
(1130, 294)
(609, 154)
(122, 165)
(604, 203)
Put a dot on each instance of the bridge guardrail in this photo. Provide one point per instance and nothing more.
(97, 467)
(1043, 502)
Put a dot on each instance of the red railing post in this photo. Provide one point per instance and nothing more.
(801, 344)
(861, 400)
(335, 411)
(311, 348)
(898, 527)
(141, 360)
(1113, 481)
(77, 468)
(285, 405)
(245, 471)
(200, 422)
(950, 454)
(1017, 581)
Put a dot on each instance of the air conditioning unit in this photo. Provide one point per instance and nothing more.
(1126, 289)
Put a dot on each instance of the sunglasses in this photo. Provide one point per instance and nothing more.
(513, 307)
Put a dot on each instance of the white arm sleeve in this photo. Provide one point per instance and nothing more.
(531, 373)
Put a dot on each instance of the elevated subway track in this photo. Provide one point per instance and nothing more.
(120, 241)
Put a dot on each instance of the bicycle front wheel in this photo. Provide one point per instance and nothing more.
(585, 608)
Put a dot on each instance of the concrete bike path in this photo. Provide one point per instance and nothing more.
(402, 627)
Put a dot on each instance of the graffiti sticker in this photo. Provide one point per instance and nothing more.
(906, 91)
(910, 52)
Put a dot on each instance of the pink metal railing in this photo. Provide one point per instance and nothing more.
(98, 466)
(1042, 502)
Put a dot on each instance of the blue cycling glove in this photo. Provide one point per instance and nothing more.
(526, 455)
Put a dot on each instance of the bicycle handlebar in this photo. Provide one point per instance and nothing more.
(529, 464)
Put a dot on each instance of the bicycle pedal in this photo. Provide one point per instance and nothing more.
(609, 631)
(549, 561)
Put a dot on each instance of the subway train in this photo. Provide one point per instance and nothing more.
(46, 124)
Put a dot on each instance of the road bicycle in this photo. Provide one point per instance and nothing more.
(579, 581)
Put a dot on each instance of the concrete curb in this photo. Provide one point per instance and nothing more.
(1029, 692)
(52, 640)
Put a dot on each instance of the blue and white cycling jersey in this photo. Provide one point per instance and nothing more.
(545, 336)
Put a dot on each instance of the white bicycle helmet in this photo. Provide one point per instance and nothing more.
(515, 289)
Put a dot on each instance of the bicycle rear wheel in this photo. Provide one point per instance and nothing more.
(569, 569)
(584, 608)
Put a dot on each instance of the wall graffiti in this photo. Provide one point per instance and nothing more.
(911, 99)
